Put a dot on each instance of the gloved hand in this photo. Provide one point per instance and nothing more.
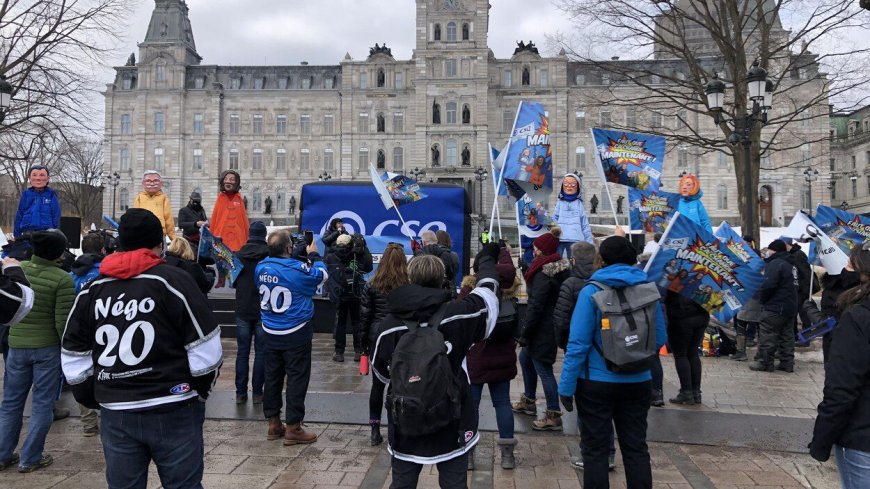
(489, 251)
(567, 403)
(415, 246)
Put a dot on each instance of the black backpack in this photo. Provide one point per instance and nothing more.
(507, 325)
(345, 281)
(424, 393)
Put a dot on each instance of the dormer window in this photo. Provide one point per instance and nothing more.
(199, 82)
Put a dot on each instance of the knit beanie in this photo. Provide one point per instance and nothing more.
(48, 245)
(548, 242)
(617, 249)
(257, 231)
(139, 228)
(776, 245)
(343, 240)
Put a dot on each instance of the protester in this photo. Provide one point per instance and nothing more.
(430, 246)
(802, 262)
(38, 208)
(33, 362)
(570, 215)
(779, 305)
(832, 287)
(690, 204)
(843, 423)
(446, 244)
(493, 362)
(461, 324)
(180, 254)
(605, 398)
(192, 217)
(392, 272)
(154, 200)
(335, 229)
(229, 218)
(349, 261)
(87, 266)
(543, 280)
(687, 323)
(287, 282)
(582, 266)
(159, 416)
(248, 325)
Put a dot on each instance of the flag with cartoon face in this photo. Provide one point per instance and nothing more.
(849, 229)
(651, 210)
(629, 158)
(734, 242)
(694, 263)
(528, 160)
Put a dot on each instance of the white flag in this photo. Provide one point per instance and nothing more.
(383, 193)
(802, 228)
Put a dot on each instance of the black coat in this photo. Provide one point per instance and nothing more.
(247, 295)
(187, 217)
(538, 331)
(844, 413)
(373, 308)
(193, 269)
(833, 286)
(802, 263)
(329, 238)
(11, 299)
(568, 293)
(779, 292)
(336, 265)
(447, 257)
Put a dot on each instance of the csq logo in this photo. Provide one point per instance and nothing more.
(353, 223)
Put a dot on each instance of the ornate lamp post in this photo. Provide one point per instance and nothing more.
(114, 180)
(810, 174)
(480, 174)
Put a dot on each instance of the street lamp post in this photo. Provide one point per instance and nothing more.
(810, 174)
(417, 172)
(480, 175)
(844, 205)
(114, 180)
(5, 96)
(323, 177)
(761, 94)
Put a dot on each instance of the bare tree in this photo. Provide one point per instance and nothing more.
(678, 45)
(78, 179)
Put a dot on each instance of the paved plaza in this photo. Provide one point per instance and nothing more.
(750, 432)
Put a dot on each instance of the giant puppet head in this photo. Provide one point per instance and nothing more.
(689, 186)
(229, 182)
(38, 176)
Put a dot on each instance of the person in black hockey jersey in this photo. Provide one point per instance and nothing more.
(141, 343)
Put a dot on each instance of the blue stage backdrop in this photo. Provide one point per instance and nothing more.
(447, 207)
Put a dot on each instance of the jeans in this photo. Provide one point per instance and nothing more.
(451, 474)
(601, 406)
(245, 330)
(854, 467)
(777, 339)
(376, 400)
(4, 346)
(26, 368)
(347, 309)
(173, 440)
(501, 401)
(532, 369)
(565, 249)
(685, 335)
(295, 364)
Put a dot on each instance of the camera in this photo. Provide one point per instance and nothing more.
(358, 244)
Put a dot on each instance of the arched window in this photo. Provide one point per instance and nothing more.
(398, 158)
(450, 157)
(437, 33)
(580, 157)
(451, 31)
(257, 197)
(465, 31)
(123, 199)
(281, 199)
(721, 197)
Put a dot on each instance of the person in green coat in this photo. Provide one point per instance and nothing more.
(34, 355)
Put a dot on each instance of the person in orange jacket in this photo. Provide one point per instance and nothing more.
(229, 219)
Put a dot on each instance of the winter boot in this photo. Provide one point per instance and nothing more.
(696, 394)
(296, 435)
(740, 354)
(376, 438)
(524, 406)
(761, 367)
(470, 459)
(506, 446)
(552, 420)
(276, 428)
(684, 397)
(658, 398)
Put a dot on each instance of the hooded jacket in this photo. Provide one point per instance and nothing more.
(844, 413)
(496, 361)
(187, 217)
(37, 211)
(229, 220)
(85, 269)
(585, 329)
(159, 343)
(464, 323)
(779, 291)
(538, 327)
(247, 295)
(53, 291)
(337, 264)
(694, 209)
(570, 215)
(159, 205)
(568, 292)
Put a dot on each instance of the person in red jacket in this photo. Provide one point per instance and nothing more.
(229, 219)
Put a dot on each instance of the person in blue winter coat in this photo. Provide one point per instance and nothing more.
(570, 215)
(87, 266)
(690, 202)
(604, 397)
(287, 282)
(38, 208)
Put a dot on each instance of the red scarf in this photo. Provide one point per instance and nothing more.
(538, 263)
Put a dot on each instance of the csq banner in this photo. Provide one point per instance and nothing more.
(446, 208)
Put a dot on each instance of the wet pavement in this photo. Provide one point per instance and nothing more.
(750, 432)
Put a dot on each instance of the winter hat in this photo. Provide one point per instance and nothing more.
(617, 249)
(195, 196)
(257, 231)
(776, 245)
(343, 240)
(139, 228)
(48, 245)
(548, 242)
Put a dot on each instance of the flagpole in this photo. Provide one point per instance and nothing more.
(495, 198)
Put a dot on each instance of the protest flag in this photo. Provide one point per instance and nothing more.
(734, 242)
(225, 259)
(803, 229)
(651, 210)
(849, 229)
(630, 158)
(529, 160)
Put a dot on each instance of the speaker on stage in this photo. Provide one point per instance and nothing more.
(71, 227)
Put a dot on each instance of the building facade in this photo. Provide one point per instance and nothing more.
(283, 126)
(850, 160)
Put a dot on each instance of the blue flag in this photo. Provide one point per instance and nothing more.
(696, 264)
(734, 242)
(403, 190)
(850, 230)
(629, 158)
(496, 164)
(111, 222)
(225, 260)
(651, 210)
(529, 161)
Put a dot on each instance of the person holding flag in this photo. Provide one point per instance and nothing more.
(570, 215)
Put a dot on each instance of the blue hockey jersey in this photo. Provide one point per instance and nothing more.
(286, 289)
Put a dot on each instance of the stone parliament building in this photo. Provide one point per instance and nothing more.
(283, 126)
